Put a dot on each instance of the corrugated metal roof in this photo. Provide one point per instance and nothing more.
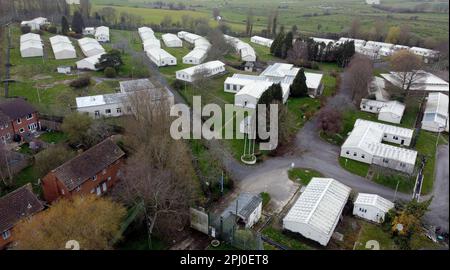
(374, 200)
(368, 136)
(207, 66)
(320, 205)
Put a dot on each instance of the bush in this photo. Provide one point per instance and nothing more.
(178, 85)
(81, 82)
(314, 65)
(25, 29)
(39, 32)
(74, 35)
(110, 72)
(52, 29)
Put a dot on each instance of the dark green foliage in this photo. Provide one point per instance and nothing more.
(25, 29)
(110, 72)
(81, 82)
(64, 25)
(111, 59)
(77, 23)
(52, 29)
(178, 85)
(277, 45)
(287, 44)
(272, 94)
(344, 53)
(299, 87)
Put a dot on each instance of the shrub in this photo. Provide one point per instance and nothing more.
(39, 32)
(178, 85)
(81, 82)
(52, 29)
(74, 35)
(25, 29)
(110, 72)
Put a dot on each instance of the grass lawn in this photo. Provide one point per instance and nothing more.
(349, 118)
(265, 198)
(426, 145)
(371, 231)
(278, 236)
(36, 78)
(28, 175)
(53, 137)
(405, 183)
(25, 149)
(354, 166)
(138, 240)
(303, 176)
(420, 241)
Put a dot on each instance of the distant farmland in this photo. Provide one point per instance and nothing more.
(311, 16)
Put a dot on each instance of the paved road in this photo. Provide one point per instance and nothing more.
(309, 151)
(439, 208)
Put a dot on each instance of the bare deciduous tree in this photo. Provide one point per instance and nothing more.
(298, 54)
(159, 175)
(5, 169)
(358, 76)
(330, 121)
(407, 67)
(355, 28)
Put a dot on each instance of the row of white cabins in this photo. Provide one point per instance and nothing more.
(200, 50)
(376, 50)
(152, 47)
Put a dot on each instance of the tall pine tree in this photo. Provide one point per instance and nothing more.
(299, 87)
(77, 23)
(288, 41)
(277, 46)
(65, 28)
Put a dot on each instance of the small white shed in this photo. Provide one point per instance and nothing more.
(261, 41)
(102, 34)
(171, 40)
(371, 207)
(160, 57)
(89, 62)
(435, 117)
(31, 48)
(195, 57)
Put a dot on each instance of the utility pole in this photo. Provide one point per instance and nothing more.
(396, 188)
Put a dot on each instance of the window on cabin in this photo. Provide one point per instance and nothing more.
(29, 116)
(6, 234)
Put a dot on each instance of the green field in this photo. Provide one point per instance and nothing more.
(328, 16)
(371, 231)
(36, 78)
